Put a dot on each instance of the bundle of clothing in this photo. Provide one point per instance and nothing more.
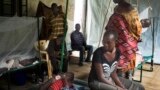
(16, 63)
(61, 82)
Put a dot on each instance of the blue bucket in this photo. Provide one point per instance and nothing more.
(19, 78)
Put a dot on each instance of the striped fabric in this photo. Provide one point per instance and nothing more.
(57, 26)
(57, 85)
(135, 27)
(132, 18)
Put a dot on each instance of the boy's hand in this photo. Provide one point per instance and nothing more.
(58, 77)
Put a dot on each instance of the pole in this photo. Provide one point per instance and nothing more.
(152, 45)
(65, 32)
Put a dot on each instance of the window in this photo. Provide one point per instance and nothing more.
(13, 7)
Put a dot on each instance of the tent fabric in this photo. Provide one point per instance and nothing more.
(17, 38)
(98, 15)
(147, 37)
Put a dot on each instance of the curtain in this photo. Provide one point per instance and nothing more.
(98, 13)
(147, 36)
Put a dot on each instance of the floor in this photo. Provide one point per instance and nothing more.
(150, 80)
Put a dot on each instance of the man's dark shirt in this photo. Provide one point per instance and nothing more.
(77, 40)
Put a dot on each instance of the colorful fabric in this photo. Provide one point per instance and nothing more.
(57, 85)
(132, 18)
(57, 26)
(127, 44)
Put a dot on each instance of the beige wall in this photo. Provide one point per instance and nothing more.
(32, 8)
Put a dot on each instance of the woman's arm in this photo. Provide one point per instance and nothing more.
(116, 79)
(100, 73)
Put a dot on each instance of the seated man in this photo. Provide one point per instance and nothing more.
(78, 43)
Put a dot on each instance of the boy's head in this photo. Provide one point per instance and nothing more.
(69, 77)
(109, 39)
(54, 8)
(77, 26)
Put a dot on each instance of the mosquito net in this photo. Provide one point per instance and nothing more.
(17, 37)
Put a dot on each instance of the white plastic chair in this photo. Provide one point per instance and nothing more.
(42, 46)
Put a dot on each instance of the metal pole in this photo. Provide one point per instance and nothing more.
(65, 32)
(152, 45)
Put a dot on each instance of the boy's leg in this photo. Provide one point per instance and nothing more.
(81, 56)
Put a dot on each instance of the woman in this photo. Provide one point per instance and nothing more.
(125, 21)
(103, 74)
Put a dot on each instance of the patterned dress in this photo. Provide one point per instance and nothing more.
(128, 29)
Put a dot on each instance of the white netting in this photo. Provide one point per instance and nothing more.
(17, 38)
